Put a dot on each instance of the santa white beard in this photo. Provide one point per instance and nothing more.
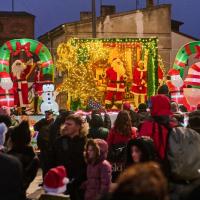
(120, 70)
(17, 70)
(6, 83)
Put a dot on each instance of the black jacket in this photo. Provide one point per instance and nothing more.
(69, 152)
(11, 178)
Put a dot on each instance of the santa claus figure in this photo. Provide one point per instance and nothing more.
(6, 90)
(175, 85)
(20, 73)
(115, 76)
(139, 84)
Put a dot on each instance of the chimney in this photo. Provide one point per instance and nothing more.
(107, 10)
(149, 3)
(85, 15)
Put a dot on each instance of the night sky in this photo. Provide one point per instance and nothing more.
(52, 13)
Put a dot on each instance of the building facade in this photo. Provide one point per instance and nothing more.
(15, 25)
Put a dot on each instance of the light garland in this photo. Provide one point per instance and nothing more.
(79, 58)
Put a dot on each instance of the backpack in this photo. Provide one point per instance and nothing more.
(183, 153)
(117, 153)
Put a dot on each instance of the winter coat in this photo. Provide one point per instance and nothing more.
(117, 138)
(159, 125)
(11, 178)
(69, 152)
(30, 164)
(98, 173)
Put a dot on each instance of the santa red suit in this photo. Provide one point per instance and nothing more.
(20, 82)
(139, 85)
(115, 86)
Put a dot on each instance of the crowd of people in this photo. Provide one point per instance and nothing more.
(142, 156)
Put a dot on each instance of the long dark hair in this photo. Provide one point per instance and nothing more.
(123, 123)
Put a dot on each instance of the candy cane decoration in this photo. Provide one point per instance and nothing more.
(184, 53)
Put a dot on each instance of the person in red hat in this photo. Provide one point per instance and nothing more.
(55, 180)
(6, 90)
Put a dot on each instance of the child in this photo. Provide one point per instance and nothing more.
(140, 150)
(98, 169)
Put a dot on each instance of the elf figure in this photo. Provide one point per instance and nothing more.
(37, 86)
(6, 90)
(116, 76)
(20, 72)
(139, 84)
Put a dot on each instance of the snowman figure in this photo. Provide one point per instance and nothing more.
(48, 98)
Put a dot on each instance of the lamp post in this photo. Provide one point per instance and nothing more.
(93, 19)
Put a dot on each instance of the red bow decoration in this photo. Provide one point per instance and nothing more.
(25, 47)
(198, 52)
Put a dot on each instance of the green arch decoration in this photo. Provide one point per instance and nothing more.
(13, 47)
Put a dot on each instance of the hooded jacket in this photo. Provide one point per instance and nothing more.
(98, 172)
(159, 125)
(145, 145)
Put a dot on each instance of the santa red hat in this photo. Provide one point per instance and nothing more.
(173, 72)
(55, 180)
(4, 75)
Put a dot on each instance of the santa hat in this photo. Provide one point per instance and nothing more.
(4, 75)
(173, 72)
(126, 106)
(55, 180)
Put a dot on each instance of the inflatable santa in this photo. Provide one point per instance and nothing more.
(6, 90)
(175, 85)
(20, 72)
(116, 76)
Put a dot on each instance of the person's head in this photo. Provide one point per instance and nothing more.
(140, 150)
(160, 105)
(3, 130)
(174, 107)
(21, 135)
(72, 126)
(126, 106)
(48, 114)
(143, 181)
(95, 150)
(182, 108)
(194, 120)
(122, 123)
(96, 121)
(163, 89)
(142, 107)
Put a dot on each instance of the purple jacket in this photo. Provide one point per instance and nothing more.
(98, 174)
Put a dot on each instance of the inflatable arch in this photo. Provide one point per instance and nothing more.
(184, 53)
(14, 47)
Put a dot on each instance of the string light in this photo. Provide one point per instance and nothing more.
(80, 57)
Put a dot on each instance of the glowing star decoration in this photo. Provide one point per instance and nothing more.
(48, 98)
